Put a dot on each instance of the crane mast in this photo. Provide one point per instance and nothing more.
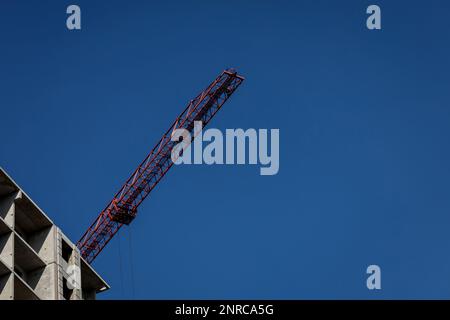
(123, 207)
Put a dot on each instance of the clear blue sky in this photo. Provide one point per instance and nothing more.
(364, 127)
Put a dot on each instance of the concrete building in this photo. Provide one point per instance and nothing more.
(37, 261)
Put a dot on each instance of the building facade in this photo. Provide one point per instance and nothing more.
(37, 261)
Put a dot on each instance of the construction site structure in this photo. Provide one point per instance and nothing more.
(122, 209)
(37, 261)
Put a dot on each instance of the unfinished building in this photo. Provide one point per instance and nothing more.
(37, 261)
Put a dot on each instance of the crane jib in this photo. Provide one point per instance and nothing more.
(123, 207)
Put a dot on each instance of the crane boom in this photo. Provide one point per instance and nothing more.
(123, 207)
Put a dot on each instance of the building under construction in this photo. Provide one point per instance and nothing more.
(37, 261)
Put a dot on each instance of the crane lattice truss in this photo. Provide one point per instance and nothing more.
(123, 207)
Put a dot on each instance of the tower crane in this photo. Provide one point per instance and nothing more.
(122, 209)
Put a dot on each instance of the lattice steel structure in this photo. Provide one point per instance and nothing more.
(123, 207)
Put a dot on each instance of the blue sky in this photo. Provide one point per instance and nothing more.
(364, 131)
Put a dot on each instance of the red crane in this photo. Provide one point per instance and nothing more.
(123, 207)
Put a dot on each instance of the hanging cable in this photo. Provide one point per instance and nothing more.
(121, 270)
(131, 262)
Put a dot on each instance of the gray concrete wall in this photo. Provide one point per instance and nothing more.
(37, 261)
